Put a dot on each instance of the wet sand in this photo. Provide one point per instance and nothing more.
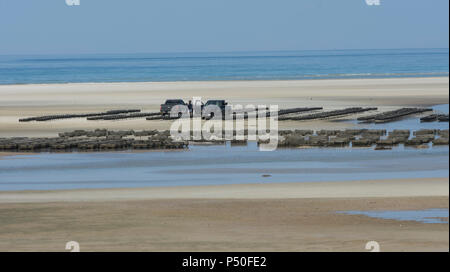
(429, 187)
(11, 155)
(19, 101)
(264, 217)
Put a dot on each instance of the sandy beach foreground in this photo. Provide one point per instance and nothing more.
(261, 217)
(19, 101)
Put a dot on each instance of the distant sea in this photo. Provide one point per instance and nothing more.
(286, 65)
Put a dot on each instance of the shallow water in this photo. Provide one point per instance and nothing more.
(210, 165)
(431, 216)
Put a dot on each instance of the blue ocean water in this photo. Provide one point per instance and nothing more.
(224, 66)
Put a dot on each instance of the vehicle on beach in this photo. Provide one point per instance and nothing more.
(167, 107)
(221, 104)
(169, 104)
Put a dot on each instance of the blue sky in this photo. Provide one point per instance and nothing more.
(147, 26)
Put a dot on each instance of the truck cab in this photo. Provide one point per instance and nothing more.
(169, 104)
(219, 103)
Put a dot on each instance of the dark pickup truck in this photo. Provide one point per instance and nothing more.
(219, 103)
(169, 104)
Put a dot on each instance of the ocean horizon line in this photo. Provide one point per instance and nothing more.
(221, 52)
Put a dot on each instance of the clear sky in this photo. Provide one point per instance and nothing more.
(147, 26)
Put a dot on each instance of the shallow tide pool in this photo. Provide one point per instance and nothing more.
(213, 165)
(431, 216)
